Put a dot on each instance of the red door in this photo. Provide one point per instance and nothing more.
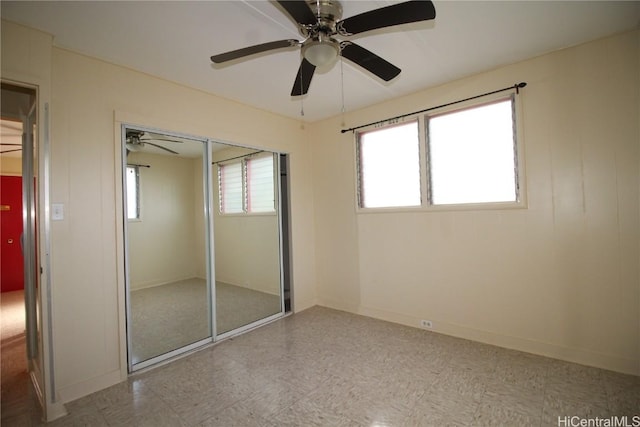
(11, 273)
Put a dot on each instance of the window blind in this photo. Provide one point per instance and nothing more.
(260, 185)
(230, 182)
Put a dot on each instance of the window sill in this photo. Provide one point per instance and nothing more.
(244, 214)
(447, 208)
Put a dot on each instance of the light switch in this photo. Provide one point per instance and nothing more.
(57, 211)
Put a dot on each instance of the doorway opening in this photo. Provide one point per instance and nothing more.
(19, 297)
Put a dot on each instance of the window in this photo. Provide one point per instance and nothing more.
(260, 189)
(470, 157)
(230, 182)
(390, 166)
(133, 192)
(247, 186)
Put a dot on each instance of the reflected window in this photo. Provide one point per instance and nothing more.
(133, 192)
(247, 186)
(260, 188)
(230, 181)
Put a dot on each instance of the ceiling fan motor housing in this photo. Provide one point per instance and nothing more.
(320, 48)
(133, 136)
(328, 13)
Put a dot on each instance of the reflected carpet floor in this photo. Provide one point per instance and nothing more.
(171, 316)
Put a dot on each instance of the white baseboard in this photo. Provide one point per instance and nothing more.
(76, 391)
(55, 411)
(298, 305)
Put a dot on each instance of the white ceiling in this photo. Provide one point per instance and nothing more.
(174, 40)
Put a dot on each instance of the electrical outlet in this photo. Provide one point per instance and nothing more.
(426, 324)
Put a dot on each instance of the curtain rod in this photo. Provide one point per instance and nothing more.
(517, 87)
(238, 157)
(140, 166)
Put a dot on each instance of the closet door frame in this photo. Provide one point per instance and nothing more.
(208, 198)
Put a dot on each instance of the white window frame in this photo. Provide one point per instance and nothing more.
(361, 177)
(427, 206)
(245, 186)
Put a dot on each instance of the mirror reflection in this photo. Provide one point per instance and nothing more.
(168, 287)
(168, 194)
(246, 236)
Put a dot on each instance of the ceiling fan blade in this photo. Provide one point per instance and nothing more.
(370, 61)
(299, 11)
(303, 79)
(160, 146)
(10, 151)
(160, 139)
(252, 50)
(396, 14)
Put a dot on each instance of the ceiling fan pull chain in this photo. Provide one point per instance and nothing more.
(342, 87)
(301, 94)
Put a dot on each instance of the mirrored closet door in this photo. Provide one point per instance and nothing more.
(247, 236)
(169, 290)
(203, 242)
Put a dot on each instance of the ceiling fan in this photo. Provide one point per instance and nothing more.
(319, 23)
(136, 141)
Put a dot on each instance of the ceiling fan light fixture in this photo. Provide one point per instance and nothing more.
(320, 52)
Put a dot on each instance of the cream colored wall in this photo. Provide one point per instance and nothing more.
(200, 256)
(558, 278)
(247, 252)
(90, 99)
(162, 244)
(11, 166)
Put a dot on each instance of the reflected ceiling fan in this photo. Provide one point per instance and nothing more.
(136, 140)
(319, 22)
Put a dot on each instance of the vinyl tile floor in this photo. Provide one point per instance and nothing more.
(323, 367)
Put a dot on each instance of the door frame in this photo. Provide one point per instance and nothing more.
(42, 374)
